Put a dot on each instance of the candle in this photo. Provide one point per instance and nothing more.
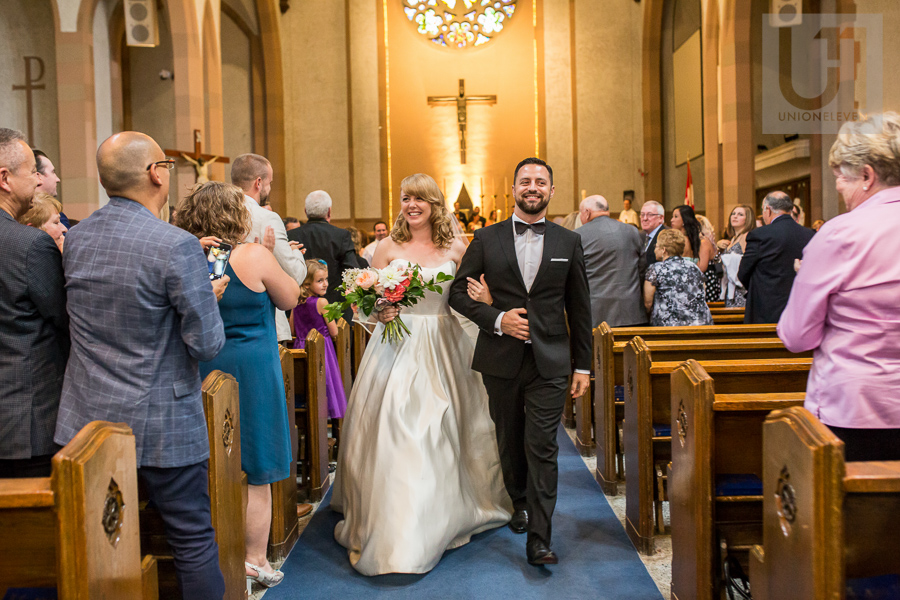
(505, 185)
(481, 181)
(493, 190)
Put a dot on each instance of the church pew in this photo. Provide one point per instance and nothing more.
(719, 304)
(77, 530)
(311, 413)
(829, 526)
(647, 405)
(343, 349)
(608, 373)
(361, 337)
(723, 310)
(221, 404)
(715, 484)
(727, 318)
(285, 528)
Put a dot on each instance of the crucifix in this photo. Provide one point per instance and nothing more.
(461, 100)
(31, 83)
(199, 160)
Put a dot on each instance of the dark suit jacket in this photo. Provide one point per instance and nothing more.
(559, 293)
(767, 267)
(34, 339)
(324, 241)
(648, 257)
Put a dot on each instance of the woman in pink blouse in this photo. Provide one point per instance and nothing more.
(845, 301)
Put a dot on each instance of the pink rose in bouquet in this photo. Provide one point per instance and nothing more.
(366, 278)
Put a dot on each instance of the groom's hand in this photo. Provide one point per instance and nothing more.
(515, 323)
(580, 384)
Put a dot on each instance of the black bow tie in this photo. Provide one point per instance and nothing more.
(538, 228)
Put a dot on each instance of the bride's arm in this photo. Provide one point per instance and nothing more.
(479, 291)
(384, 253)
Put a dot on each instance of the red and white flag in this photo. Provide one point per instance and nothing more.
(689, 189)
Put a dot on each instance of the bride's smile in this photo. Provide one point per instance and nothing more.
(416, 211)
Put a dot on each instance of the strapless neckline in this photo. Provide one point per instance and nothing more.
(437, 268)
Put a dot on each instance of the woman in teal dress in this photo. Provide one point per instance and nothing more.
(257, 286)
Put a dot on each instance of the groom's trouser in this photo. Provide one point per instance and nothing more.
(527, 411)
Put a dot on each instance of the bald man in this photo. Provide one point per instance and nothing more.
(612, 252)
(143, 312)
(34, 326)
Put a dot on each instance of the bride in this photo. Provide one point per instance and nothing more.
(419, 470)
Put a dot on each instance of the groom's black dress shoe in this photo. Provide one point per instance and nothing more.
(519, 521)
(539, 554)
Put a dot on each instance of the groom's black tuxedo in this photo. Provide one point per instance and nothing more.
(527, 383)
(560, 288)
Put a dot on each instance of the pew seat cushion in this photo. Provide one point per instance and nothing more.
(740, 484)
(881, 587)
(661, 430)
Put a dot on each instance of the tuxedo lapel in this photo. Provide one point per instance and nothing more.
(507, 242)
(551, 238)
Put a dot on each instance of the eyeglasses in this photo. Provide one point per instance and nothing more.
(168, 163)
(648, 215)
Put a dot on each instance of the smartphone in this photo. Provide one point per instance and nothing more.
(217, 260)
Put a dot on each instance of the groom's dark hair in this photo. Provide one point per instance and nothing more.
(533, 161)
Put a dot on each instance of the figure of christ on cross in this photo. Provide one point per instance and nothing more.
(199, 160)
(461, 101)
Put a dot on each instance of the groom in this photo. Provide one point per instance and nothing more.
(537, 328)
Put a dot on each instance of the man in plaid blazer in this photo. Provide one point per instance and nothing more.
(34, 328)
(142, 313)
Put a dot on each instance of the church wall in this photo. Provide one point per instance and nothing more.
(315, 87)
(366, 126)
(680, 20)
(27, 29)
(560, 124)
(608, 68)
(238, 95)
(103, 91)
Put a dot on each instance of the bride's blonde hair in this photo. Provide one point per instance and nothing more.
(425, 188)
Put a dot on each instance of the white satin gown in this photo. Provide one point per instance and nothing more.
(418, 471)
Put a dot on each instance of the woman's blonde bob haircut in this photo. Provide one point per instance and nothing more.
(672, 241)
(873, 141)
(425, 188)
(215, 208)
(42, 209)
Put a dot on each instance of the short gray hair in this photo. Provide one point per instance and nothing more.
(874, 141)
(660, 210)
(317, 204)
(778, 202)
(10, 157)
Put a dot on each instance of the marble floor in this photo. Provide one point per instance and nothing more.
(659, 565)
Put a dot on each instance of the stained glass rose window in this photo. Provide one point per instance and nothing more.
(459, 23)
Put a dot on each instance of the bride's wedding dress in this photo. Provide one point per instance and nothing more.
(418, 471)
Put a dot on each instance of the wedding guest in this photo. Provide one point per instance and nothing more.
(476, 216)
(291, 223)
(492, 218)
(460, 215)
(257, 286)
(741, 222)
(143, 312)
(380, 231)
(653, 220)
(49, 181)
(715, 270)
(34, 326)
(767, 267)
(817, 224)
(844, 301)
(628, 215)
(356, 237)
(309, 315)
(673, 286)
(697, 248)
(44, 215)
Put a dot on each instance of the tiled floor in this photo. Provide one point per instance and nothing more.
(659, 564)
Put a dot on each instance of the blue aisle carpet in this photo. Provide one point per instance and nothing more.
(597, 560)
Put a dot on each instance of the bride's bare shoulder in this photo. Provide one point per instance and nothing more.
(386, 251)
(457, 249)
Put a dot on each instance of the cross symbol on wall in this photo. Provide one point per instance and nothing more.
(31, 84)
(461, 101)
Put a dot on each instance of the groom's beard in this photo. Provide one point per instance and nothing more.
(531, 206)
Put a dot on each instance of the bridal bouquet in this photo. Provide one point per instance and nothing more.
(373, 290)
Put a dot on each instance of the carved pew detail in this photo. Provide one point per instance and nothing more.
(285, 528)
(647, 425)
(77, 531)
(608, 373)
(714, 488)
(828, 525)
(360, 339)
(311, 413)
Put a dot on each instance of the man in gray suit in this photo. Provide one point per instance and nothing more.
(142, 313)
(34, 327)
(612, 252)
